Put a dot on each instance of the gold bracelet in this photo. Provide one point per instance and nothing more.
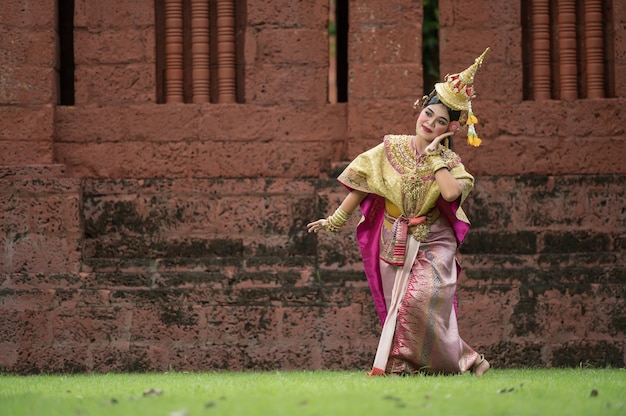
(337, 220)
(329, 227)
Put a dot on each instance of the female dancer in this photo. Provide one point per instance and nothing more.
(409, 189)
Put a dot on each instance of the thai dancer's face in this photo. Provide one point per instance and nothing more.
(433, 121)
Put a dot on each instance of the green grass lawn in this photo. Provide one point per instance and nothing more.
(500, 392)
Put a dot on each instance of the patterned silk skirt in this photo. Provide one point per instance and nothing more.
(426, 337)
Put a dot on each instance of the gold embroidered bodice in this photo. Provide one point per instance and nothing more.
(395, 171)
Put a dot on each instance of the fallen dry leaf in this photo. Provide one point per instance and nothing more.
(153, 392)
(510, 389)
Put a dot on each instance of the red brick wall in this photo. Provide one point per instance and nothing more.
(144, 236)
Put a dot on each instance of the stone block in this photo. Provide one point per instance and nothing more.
(111, 357)
(323, 123)
(98, 326)
(516, 354)
(20, 172)
(280, 357)
(347, 357)
(33, 253)
(258, 159)
(165, 322)
(595, 354)
(8, 355)
(509, 156)
(16, 13)
(116, 14)
(393, 12)
(43, 225)
(118, 160)
(114, 123)
(43, 281)
(401, 82)
(32, 47)
(52, 359)
(206, 357)
(595, 118)
(142, 357)
(497, 120)
(278, 84)
(292, 46)
(476, 13)
(27, 85)
(14, 153)
(28, 299)
(485, 309)
(173, 221)
(114, 46)
(575, 202)
(242, 325)
(121, 83)
(26, 327)
(520, 242)
(287, 14)
(385, 44)
(182, 122)
(574, 242)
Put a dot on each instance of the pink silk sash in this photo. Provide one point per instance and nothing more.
(394, 251)
(368, 237)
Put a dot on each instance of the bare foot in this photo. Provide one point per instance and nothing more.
(481, 367)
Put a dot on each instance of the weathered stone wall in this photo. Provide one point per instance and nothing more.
(144, 236)
(545, 269)
(27, 82)
(171, 278)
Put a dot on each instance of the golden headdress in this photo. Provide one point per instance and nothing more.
(457, 92)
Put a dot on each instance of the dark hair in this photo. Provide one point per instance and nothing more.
(454, 115)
